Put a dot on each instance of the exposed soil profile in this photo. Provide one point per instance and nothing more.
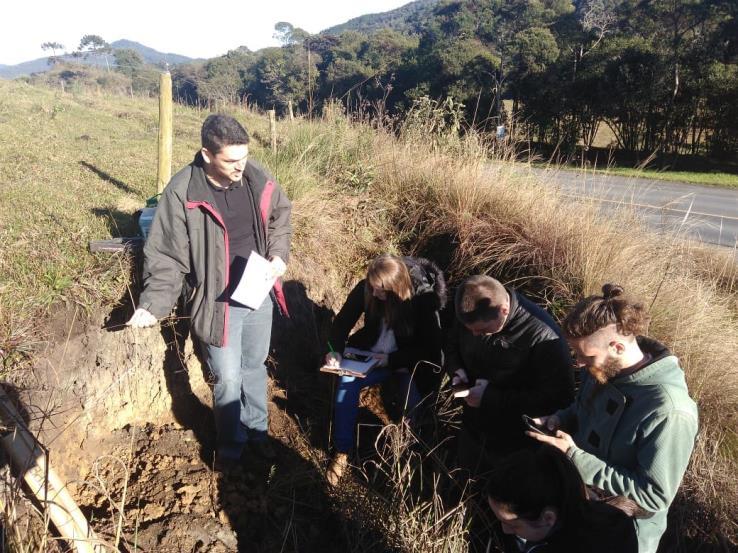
(127, 421)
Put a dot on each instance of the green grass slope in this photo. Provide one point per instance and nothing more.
(74, 168)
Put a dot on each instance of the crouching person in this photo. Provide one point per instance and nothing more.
(512, 354)
(632, 428)
(542, 505)
(399, 299)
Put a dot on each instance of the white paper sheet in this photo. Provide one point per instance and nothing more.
(256, 282)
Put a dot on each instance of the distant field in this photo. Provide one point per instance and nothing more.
(725, 180)
(606, 139)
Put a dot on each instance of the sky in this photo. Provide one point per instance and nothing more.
(203, 29)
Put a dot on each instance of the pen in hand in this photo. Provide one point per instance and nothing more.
(332, 359)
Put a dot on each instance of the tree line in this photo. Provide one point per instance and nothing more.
(662, 75)
(122, 68)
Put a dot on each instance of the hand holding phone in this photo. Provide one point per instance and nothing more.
(538, 428)
(460, 384)
(459, 387)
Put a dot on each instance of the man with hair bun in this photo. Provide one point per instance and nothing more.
(512, 355)
(632, 428)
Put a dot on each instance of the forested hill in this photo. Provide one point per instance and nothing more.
(657, 77)
(149, 55)
(402, 19)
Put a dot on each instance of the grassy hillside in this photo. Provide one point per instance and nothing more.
(72, 170)
(75, 167)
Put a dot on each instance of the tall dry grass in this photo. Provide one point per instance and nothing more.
(464, 200)
(498, 219)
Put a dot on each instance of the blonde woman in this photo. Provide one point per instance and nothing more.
(399, 299)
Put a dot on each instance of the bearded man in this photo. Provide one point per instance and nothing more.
(632, 428)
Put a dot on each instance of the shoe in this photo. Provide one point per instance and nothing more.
(336, 468)
(263, 449)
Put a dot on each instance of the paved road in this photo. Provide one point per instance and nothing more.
(711, 212)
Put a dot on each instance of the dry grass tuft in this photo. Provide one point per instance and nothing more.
(446, 199)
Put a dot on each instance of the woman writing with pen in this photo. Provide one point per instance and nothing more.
(400, 299)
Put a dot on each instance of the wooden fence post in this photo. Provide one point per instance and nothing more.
(273, 129)
(292, 114)
(164, 171)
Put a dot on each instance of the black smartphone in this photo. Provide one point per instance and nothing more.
(530, 423)
(357, 357)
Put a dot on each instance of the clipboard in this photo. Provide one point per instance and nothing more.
(353, 363)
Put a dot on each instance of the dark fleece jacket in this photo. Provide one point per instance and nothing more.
(529, 368)
(423, 339)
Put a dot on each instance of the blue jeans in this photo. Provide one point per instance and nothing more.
(240, 379)
(347, 402)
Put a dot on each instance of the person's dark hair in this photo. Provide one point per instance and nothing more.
(527, 482)
(219, 131)
(530, 481)
(596, 312)
(479, 298)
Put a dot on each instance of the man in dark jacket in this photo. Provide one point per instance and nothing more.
(511, 353)
(212, 215)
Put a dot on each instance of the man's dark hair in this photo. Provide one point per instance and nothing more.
(596, 312)
(479, 298)
(219, 131)
(529, 481)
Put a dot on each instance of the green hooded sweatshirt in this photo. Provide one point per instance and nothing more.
(634, 437)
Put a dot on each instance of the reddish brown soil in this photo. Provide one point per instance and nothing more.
(151, 483)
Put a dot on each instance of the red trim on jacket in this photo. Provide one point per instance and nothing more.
(264, 203)
(210, 209)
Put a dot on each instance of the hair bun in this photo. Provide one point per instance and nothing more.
(610, 291)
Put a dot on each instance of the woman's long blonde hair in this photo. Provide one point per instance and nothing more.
(389, 273)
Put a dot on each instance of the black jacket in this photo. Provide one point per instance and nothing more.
(604, 529)
(529, 368)
(423, 341)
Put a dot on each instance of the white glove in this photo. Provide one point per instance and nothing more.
(278, 266)
(141, 319)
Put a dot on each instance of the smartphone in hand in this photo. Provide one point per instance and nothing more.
(539, 428)
(459, 387)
